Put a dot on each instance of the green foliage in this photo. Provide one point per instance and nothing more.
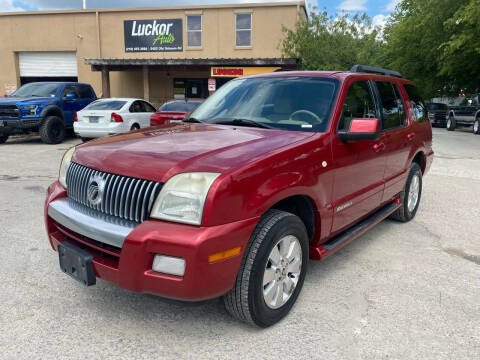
(435, 43)
(323, 42)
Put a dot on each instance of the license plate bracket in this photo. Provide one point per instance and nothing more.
(76, 263)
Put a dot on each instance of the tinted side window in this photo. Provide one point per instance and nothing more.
(358, 104)
(148, 107)
(70, 89)
(85, 92)
(136, 107)
(392, 105)
(418, 104)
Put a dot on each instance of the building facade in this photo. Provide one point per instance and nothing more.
(153, 53)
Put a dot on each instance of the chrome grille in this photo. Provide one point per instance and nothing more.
(125, 197)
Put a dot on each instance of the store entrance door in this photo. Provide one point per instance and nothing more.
(196, 88)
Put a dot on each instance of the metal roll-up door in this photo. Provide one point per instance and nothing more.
(48, 64)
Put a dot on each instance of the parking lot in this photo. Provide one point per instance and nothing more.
(401, 291)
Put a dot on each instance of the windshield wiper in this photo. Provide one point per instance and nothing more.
(240, 122)
(192, 120)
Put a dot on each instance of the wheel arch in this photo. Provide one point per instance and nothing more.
(421, 160)
(304, 207)
(52, 110)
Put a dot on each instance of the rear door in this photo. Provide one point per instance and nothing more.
(397, 137)
(359, 167)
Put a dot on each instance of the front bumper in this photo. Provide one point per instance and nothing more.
(14, 126)
(128, 263)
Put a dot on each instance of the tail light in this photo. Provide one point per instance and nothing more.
(75, 117)
(116, 118)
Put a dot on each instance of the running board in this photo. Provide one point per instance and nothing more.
(322, 251)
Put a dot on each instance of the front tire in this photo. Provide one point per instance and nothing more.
(3, 139)
(410, 196)
(52, 130)
(135, 127)
(451, 123)
(476, 127)
(272, 271)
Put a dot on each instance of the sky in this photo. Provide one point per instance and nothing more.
(378, 10)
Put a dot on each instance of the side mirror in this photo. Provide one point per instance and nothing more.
(361, 129)
(70, 97)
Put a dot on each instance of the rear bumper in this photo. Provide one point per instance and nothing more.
(129, 266)
(98, 130)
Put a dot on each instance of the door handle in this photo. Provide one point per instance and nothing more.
(379, 147)
(411, 136)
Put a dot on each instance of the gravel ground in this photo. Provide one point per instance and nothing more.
(401, 291)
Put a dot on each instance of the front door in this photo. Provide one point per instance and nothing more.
(359, 165)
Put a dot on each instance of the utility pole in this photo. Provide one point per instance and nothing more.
(84, 4)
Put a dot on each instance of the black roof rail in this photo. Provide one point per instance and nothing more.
(375, 70)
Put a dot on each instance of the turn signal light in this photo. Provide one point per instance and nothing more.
(224, 254)
(116, 118)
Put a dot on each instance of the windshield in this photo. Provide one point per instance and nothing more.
(183, 106)
(289, 103)
(38, 89)
(106, 105)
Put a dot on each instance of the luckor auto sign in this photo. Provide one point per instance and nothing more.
(153, 35)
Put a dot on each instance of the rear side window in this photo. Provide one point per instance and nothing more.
(358, 104)
(85, 92)
(418, 105)
(106, 105)
(393, 110)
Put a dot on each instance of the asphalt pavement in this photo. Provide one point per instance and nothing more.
(401, 291)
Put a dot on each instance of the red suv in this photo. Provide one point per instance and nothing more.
(268, 172)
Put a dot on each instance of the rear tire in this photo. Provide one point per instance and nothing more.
(451, 123)
(410, 196)
(84, 139)
(476, 127)
(3, 139)
(52, 130)
(272, 271)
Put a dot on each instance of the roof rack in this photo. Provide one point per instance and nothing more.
(375, 70)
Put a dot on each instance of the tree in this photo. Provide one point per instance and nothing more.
(324, 42)
(460, 60)
(436, 44)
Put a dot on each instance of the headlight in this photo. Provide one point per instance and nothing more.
(30, 109)
(182, 197)
(67, 159)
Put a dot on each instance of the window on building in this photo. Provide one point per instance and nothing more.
(243, 30)
(194, 30)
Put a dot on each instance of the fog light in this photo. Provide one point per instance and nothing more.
(169, 265)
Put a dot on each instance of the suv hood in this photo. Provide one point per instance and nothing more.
(159, 153)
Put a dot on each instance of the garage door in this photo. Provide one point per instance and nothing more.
(48, 64)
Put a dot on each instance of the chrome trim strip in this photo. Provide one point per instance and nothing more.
(90, 223)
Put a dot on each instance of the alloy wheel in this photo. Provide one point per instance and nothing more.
(282, 271)
(413, 193)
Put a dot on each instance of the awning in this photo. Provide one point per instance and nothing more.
(170, 64)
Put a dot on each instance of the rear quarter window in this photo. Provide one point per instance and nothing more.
(418, 105)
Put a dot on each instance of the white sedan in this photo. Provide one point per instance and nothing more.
(112, 116)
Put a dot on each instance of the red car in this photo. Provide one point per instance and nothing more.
(174, 111)
(268, 172)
